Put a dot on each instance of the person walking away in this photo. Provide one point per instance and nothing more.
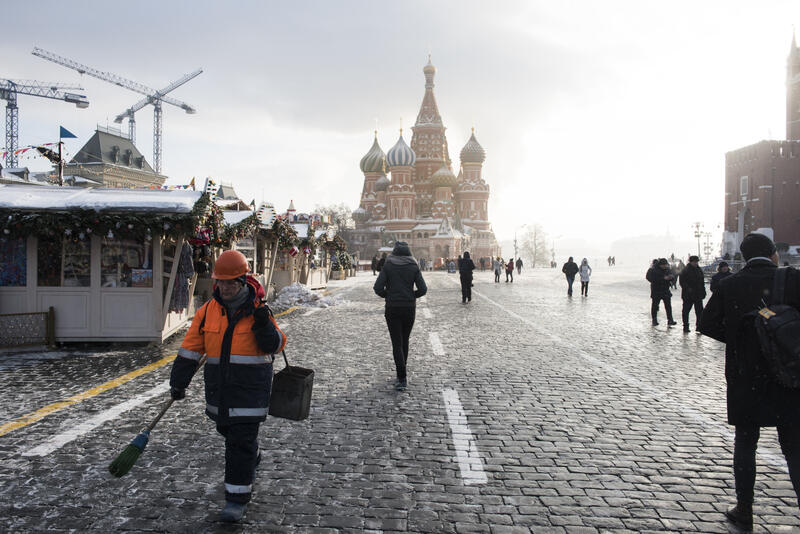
(660, 279)
(723, 271)
(693, 291)
(374, 264)
(754, 398)
(510, 270)
(497, 265)
(482, 262)
(239, 335)
(465, 268)
(381, 262)
(395, 284)
(585, 272)
(570, 269)
(519, 266)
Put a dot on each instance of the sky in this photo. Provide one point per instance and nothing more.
(601, 120)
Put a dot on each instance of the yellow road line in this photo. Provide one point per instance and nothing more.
(41, 413)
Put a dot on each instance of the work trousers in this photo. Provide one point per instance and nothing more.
(744, 458)
(400, 321)
(241, 453)
(667, 307)
(466, 289)
(687, 307)
(584, 288)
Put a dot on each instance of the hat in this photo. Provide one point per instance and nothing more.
(722, 264)
(401, 248)
(663, 261)
(755, 245)
(693, 258)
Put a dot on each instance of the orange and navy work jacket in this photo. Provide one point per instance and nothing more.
(238, 369)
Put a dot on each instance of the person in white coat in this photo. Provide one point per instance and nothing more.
(586, 272)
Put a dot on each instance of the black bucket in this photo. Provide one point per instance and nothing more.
(291, 393)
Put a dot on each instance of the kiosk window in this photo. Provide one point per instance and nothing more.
(64, 263)
(13, 262)
(126, 263)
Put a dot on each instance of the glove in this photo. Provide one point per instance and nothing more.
(261, 316)
(177, 394)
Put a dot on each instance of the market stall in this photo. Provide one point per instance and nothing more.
(113, 263)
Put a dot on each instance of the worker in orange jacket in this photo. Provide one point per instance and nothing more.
(239, 335)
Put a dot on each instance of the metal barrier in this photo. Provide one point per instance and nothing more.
(25, 329)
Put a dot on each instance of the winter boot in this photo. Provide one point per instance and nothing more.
(401, 385)
(741, 516)
(233, 512)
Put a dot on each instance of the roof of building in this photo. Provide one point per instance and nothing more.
(400, 155)
(382, 183)
(473, 152)
(233, 217)
(112, 149)
(374, 160)
(30, 197)
(444, 177)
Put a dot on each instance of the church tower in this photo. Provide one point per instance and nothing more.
(373, 165)
(793, 93)
(429, 144)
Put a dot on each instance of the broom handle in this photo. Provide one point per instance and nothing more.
(167, 404)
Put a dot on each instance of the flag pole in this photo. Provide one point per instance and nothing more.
(60, 163)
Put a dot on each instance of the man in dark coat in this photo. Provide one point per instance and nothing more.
(693, 291)
(570, 269)
(381, 262)
(660, 279)
(465, 268)
(396, 283)
(755, 399)
(723, 271)
(374, 264)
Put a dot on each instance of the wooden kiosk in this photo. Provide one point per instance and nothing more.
(107, 260)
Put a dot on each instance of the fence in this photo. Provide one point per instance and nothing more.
(23, 329)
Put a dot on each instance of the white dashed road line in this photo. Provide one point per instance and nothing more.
(426, 312)
(59, 440)
(436, 344)
(469, 460)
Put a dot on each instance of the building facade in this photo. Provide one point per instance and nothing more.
(762, 181)
(422, 201)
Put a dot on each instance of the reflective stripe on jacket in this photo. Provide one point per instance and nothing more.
(238, 373)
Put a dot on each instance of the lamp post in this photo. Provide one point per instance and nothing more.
(698, 233)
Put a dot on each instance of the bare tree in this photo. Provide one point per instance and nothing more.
(341, 216)
(534, 245)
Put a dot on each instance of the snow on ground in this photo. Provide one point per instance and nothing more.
(299, 295)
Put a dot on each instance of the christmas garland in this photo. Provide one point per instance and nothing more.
(286, 234)
(235, 232)
(309, 241)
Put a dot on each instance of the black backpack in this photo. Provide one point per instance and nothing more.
(778, 329)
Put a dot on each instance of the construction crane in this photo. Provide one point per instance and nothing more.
(9, 89)
(152, 96)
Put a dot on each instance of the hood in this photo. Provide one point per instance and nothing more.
(401, 260)
(401, 248)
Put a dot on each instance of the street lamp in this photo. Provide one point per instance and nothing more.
(698, 233)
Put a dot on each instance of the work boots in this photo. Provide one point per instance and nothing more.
(233, 512)
(741, 516)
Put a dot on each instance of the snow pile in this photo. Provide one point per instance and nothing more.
(299, 295)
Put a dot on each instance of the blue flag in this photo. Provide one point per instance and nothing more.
(66, 134)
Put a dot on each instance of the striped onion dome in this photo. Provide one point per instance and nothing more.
(473, 152)
(375, 159)
(444, 177)
(400, 155)
(382, 183)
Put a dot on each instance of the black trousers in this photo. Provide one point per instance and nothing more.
(466, 289)
(744, 458)
(511, 274)
(687, 307)
(584, 288)
(241, 452)
(400, 321)
(497, 276)
(667, 307)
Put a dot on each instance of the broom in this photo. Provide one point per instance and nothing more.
(124, 462)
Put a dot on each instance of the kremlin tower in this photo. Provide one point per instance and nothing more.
(424, 203)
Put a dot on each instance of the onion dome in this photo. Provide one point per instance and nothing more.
(382, 183)
(400, 155)
(360, 214)
(444, 177)
(375, 159)
(429, 70)
(473, 152)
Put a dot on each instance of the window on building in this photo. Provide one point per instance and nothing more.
(126, 263)
(13, 262)
(744, 186)
(64, 262)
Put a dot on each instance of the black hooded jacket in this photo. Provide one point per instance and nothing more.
(398, 277)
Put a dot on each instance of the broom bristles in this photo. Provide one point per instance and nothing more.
(127, 458)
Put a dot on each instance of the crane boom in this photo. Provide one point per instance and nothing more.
(161, 95)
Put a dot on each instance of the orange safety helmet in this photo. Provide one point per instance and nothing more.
(231, 264)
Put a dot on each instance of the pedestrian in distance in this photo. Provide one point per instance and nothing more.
(519, 266)
(723, 271)
(381, 262)
(497, 265)
(754, 397)
(465, 268)
(510, 270)
(693, 291)
(482, 262)
(374, 264)
(586, 272)
(570, 269)
(396, 284)
(239, 336)
(660, 279)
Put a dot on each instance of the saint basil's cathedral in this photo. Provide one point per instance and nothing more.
(439, 214)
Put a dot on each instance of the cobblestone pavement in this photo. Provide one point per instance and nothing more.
(526, 412)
